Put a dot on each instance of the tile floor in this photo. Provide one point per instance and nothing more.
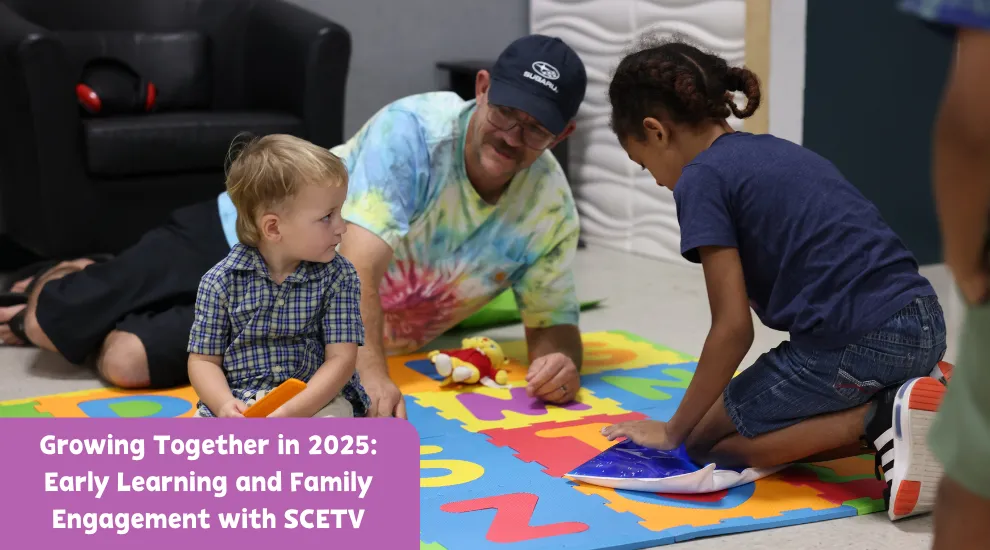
(662, 302)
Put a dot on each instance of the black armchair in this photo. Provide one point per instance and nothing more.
(71, 183)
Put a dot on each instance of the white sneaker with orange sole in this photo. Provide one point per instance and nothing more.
(915, 473)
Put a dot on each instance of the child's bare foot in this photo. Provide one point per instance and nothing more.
(6, 335)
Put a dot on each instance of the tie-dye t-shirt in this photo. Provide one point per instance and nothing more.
(453, 252)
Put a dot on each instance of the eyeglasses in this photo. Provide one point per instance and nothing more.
(533, 135)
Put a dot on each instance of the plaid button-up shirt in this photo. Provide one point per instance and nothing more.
(268, 333)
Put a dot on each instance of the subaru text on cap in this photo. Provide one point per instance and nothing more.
(542, 77)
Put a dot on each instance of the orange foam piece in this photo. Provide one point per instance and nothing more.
(771, 496)
(275, 399)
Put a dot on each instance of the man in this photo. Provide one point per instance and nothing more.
(449, 203)
(960, 435)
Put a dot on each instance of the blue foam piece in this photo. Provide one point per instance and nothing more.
(426, 368)
(505, 474)
(733, 498)
(428, 423)
(171, 407)
(558, 500)
(743, 525)
(657, 409)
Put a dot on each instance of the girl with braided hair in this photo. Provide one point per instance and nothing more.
(777, 228)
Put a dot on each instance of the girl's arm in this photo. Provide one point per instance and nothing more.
(325, 384)
(728, 341)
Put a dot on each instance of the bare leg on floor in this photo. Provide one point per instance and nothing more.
(123, 361)
(834, 435)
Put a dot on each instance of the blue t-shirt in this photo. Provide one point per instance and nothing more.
(954, 13)
(819, 260)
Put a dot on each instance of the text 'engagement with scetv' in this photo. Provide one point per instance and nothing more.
(292, 479)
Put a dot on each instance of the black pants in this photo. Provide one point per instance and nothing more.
(149, 290)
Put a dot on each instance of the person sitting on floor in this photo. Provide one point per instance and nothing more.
(450, 203)
(779, 231)
(283, 304)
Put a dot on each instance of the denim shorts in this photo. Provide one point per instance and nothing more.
(788, 384)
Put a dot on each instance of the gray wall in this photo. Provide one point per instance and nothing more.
(397, 43)
(872, 87)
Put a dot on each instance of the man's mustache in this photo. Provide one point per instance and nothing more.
(504, 148)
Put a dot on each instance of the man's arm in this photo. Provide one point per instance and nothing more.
(371, 257)
(548, 303)
(962, 163)
(389, 167)
(565, 339)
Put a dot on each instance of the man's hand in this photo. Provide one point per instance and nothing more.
(386, 399)
(232, 409)
(553, 378)
(648, 433)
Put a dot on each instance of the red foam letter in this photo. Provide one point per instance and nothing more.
(512, 515)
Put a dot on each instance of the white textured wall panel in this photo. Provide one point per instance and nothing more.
(788, 21)
(621, 206)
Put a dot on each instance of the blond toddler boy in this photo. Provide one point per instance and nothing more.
(282, 304)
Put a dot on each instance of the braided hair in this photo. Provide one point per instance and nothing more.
(678, 82)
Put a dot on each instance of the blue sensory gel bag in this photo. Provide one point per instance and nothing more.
(636, 468)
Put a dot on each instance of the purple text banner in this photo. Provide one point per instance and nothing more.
(153, 483)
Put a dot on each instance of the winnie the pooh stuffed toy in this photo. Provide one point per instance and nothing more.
(479, 360)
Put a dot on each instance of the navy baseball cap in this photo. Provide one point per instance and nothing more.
(542, 77)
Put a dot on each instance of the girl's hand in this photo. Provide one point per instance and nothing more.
(648, 433)
(232, 409)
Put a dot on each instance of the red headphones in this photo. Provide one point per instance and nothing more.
(112, 87)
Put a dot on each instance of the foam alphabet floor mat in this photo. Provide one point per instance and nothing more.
(494, 461)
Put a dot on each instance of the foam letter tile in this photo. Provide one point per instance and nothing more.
(655, 390)
(611, 350)
(136, 406)
(847, 482)
(450, 485)
(763, 500)
(528, 520)
(481, 408)
(22, 409)
(744, 524)
(559, 446)
(428, 423)
(512, 516)
(112, 402)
